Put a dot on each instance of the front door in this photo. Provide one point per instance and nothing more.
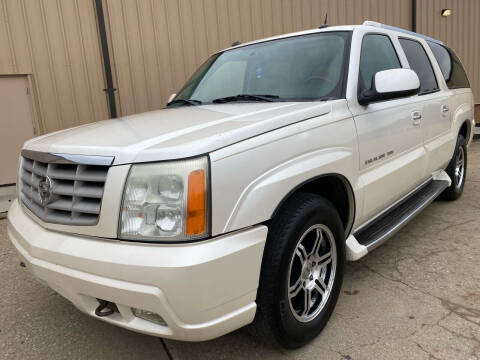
(391, 151)
(16, 124)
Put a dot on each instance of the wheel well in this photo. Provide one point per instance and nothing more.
(334, 188)
(465, 130)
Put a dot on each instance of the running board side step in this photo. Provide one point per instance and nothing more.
(386, 225)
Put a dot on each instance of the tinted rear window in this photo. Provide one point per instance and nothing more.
(452, 70)
(420, 63)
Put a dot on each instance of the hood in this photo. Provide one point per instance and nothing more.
(177, 132)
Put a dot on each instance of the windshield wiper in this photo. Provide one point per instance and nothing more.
(247, 97)
(325, 98)
(185, 102)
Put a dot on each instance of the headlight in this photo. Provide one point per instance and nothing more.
(166, 201)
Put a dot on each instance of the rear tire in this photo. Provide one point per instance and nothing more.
(457, 170)
(302, 272)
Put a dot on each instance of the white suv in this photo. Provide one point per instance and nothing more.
(240, 202)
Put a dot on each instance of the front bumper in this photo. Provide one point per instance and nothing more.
(202, 290)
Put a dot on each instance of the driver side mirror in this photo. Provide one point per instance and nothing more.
(390, 84)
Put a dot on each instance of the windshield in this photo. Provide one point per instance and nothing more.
(300, 68)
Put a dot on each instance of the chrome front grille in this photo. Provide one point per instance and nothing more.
(63, 189)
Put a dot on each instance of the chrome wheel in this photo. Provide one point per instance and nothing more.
(459, 168)
(312, 272)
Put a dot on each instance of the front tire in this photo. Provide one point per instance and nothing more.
(302, 272)
(457, 170)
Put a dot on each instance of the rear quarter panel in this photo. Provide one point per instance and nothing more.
(463, 110)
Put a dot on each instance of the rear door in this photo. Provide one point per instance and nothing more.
(436, 121)
(390, 142)
(439, 139)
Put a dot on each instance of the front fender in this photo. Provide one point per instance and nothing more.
(262, 196)
(248, 186)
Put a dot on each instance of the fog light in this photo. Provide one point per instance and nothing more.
(149, 316)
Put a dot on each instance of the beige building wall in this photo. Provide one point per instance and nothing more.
(157, 44)
(55, 43)
(460, 31)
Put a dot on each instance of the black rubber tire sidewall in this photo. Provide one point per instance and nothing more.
(453, 193)
(308, 210)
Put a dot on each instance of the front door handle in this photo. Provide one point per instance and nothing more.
(416, 118)
(445, 109)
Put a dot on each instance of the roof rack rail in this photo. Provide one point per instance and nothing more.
(394, 28)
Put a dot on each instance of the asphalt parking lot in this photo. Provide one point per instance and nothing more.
(417, 297)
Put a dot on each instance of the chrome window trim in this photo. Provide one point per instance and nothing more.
(76, 159)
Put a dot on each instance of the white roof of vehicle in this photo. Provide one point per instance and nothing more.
(399, 30)
(298, 33)
(340, 28)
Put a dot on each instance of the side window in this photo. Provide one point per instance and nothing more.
(452, 69)
(420, 63)
(459, 78)
(377, 54)
(443, 58)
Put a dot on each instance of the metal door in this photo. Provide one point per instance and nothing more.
(16, 124)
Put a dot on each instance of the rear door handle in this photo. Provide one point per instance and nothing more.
(445, 108)
(416, 118)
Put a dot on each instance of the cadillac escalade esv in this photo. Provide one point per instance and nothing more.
(240, 202)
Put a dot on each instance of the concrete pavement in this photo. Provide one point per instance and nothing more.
(417, 297)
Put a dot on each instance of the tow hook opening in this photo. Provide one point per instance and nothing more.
(105, 308)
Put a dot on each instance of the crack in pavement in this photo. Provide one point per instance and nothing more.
(465, 313)
(455, 308)
(167, 351)
(430, 355)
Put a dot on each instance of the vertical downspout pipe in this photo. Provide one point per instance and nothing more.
(414, 15)
(102, 32)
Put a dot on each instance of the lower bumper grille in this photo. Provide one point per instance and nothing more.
(63, 189)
